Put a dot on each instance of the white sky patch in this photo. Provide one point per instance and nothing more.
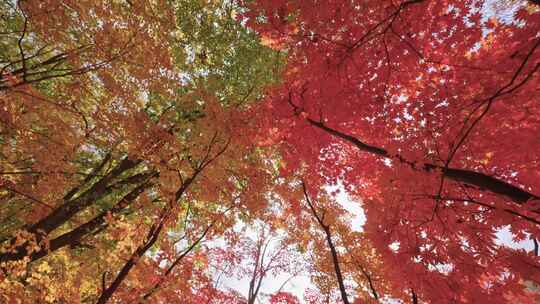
(294, 283)
(505, 238)
(353, 207)
(394, 246)
(270, 285)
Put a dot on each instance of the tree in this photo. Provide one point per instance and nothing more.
(112, 134)
(149, 150)
(328, 235)
(266, 255)
(426, 112)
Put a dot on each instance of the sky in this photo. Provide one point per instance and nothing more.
(299, 284)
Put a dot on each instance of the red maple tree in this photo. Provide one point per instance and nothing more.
(428, 112)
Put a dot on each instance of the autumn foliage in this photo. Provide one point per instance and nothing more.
(205, 151)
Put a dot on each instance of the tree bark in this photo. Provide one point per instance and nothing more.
(151, 238)
(468, 177)
(63, 213)
(155, 231)
(66, 211)
(328, 234)
(176, 262)
(74, 236)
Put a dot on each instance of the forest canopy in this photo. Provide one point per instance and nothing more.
(269, 151)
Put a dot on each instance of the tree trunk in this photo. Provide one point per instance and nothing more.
(73, 237)
(468, 177)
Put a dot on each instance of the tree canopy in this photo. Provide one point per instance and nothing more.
(202, 151)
